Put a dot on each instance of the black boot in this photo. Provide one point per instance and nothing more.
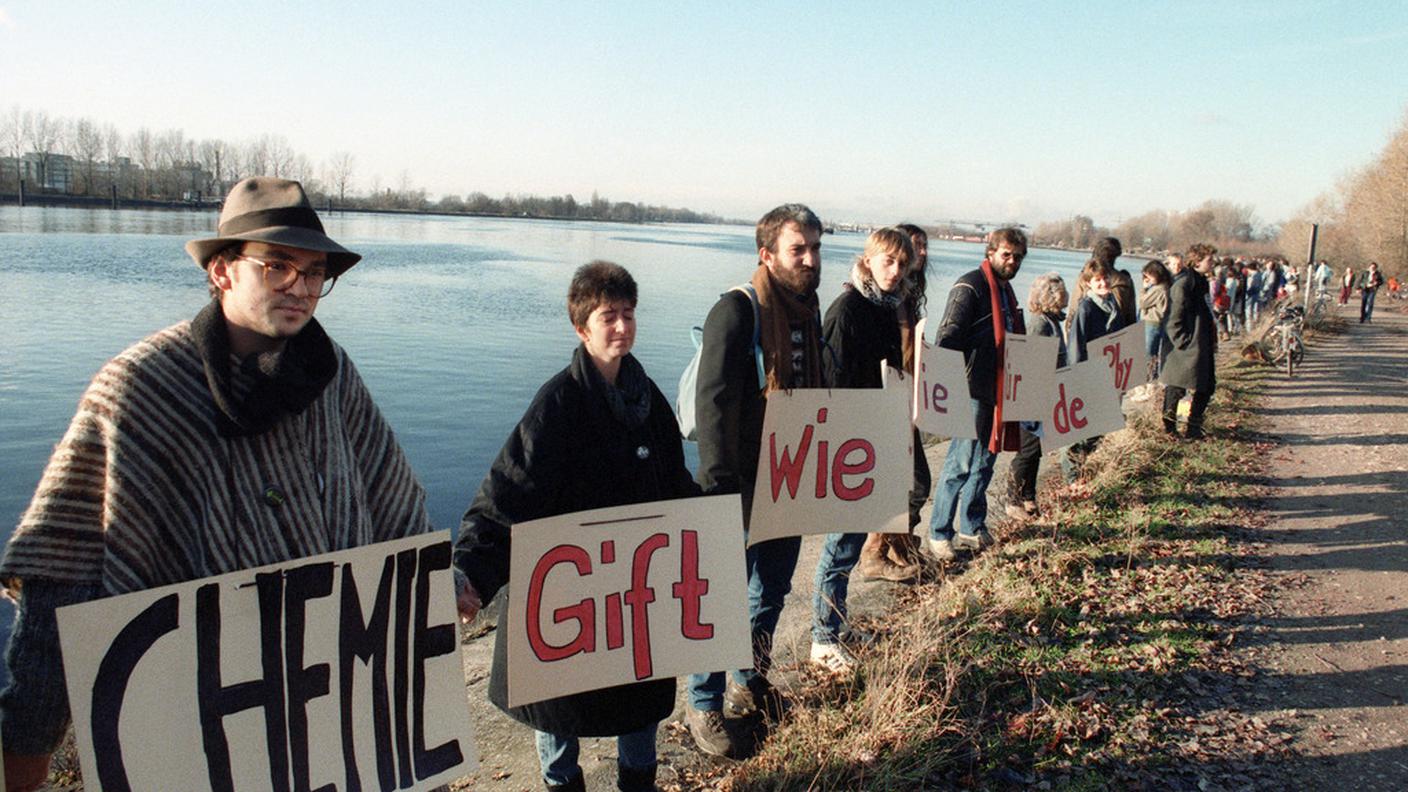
(632, 779)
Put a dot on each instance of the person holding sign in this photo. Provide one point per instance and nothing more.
(863, 335)
(1047, 303)
(982, 308)
(241, 438)
(1192, 334)
(1097, 315)
(729, 414)
(598, 434)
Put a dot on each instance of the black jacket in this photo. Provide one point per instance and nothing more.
(967, 328)
(860, 334)
(1090, 324)
(1192, 333)
(570, 453)
(729, 404)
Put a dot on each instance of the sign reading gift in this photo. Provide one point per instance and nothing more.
(611, 596)
(1029, 377)
(833, 460)
(1085, 407)
(1125, 354)
(941, 405)
(338, 671)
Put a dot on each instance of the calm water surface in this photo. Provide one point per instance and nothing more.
(454, 323)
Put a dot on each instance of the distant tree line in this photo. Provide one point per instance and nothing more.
(82, 157)
(1231, 227)
(1365, 218)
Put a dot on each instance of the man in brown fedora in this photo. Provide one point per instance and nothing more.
(240, 438)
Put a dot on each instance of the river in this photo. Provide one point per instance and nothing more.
(454, 322)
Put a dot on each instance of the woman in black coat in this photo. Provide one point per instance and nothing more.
(1192, 334)
(598, 434)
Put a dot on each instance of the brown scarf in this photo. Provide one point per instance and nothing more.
(778, 310)
(1005, 436)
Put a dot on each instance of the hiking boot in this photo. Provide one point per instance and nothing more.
(942, 550)
(759, 697)
(634, 779)
(578, 784)
(707, 729)
(975, 542)
(833, 657)
(903, 549)
(1024, 511)
(878, 565)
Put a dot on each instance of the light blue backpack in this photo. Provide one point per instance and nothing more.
(684, 403)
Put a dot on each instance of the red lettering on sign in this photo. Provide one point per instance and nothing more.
(584, 612)
(790, 467)
(845, 468)
(639, 598)
(691, 589)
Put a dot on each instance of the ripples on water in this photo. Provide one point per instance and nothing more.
(453, 322)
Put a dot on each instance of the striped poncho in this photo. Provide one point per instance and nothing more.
(161, 480)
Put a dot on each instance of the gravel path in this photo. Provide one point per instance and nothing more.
(1336, 651)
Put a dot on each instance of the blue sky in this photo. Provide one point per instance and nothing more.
(878, 112)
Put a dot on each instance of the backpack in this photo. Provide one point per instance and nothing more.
(684, 403)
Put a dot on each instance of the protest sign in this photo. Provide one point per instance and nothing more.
(1086, 406)
(941, 405)
(610, 596)
(1029, 377)
(334, 671)
(833, 460)
(1125, 354)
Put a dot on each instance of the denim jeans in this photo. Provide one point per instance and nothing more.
(770, 568)
(558, 755)
(963, 482)
(833, 577)
(1155, 343)
(1366, 305)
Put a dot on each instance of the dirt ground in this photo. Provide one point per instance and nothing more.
(1334, 655)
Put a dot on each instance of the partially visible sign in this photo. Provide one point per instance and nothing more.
(339, 671)
(611, 596)
(941, 405)
(833, 460)
(1029, 377)
(1125, 354)
(1086, 406)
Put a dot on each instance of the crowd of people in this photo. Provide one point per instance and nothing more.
(244, 437)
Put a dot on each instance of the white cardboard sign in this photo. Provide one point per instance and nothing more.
(1125, 354)
(1085, 406)
(833, 460)
(340, 670)
(611, 596)
(1029, 377)
(941, 405)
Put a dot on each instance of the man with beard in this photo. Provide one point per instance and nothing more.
(729, 410)
(240, 438)
(982, 309)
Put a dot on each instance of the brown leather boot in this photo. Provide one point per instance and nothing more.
(876, 562)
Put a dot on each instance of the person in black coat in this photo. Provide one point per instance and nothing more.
(1192, 334)
(598, 434)
(862, 331)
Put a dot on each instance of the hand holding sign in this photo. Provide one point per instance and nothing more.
(833, 461)
(605, 597)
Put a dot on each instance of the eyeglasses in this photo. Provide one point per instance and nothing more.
(281, 275)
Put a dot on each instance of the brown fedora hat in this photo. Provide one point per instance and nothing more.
(276, 211)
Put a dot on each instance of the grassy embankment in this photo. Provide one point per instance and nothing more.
(1075, 654)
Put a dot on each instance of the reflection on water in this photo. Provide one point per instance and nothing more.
(453, 322)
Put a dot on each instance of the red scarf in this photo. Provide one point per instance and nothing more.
(1005, 436)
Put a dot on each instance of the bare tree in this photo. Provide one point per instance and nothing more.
(43, 135)
(339, 173)
(281, 156)
(87, 149)
(12, 140)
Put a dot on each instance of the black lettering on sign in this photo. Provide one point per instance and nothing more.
(310, 581)
(405, 580)
(110, 685)
(365, 640)
(430, 642)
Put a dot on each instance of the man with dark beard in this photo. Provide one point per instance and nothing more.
(729, 410)
(982, 309)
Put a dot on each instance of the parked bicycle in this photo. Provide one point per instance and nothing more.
(1283, 342)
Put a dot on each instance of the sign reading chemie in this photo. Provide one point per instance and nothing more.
(334, 672)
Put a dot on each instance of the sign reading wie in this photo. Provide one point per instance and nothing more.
(334, 672)
(941, 403)
(833, 460)
(610, 596)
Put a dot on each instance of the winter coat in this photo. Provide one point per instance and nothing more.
(860, 335)
(1049, 324)
(1192, 332)
(967, 328)
(570, 453)
(1154, 303)
(1091, 323)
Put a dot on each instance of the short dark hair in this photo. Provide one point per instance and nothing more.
(1095, 267)
(1013, 237)
(770, 227)
(595, 284)
(1157, 271)
(1199, 251)
(1107, 249)
(913, 230)
(226, 254)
